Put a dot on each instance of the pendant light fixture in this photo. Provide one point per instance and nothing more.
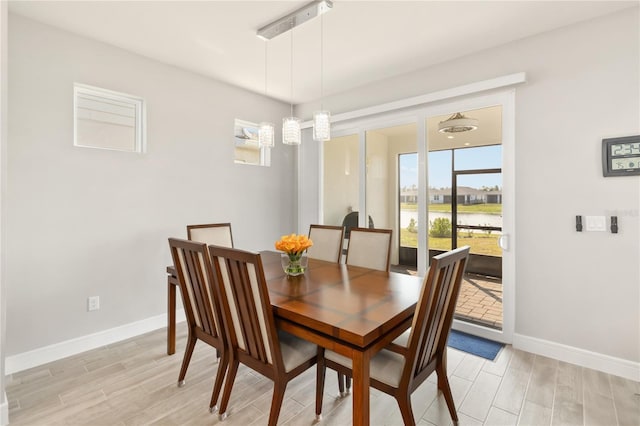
(291, 133)
(291, 129)
(321, 119)
(266, 131)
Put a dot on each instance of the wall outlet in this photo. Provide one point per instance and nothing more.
(93, 303)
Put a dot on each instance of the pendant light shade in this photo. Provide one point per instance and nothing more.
(321, 126)
(322, 118)
(266, 131)
(266, 134)
(291, 134)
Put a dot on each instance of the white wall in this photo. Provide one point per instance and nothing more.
(581, 290)
(83, 222)
(4, 406)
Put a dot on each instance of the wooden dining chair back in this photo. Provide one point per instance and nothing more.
(201, 305)
(250, 326)
(409, 360)
(369, 248)
(218, 234)
(327, 242)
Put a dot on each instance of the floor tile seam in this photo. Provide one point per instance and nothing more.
(524, 396)
(472, 383)
(325, 414)
(613, 398)
(493, 400)
(555, 390)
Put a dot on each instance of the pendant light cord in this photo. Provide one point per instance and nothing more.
(291, 70)
(321, 60)
(265, 67)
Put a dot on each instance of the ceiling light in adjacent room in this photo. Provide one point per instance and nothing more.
(457, 123)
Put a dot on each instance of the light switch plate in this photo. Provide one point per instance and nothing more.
(595, 223)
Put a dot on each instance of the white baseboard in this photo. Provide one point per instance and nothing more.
(596, 361)
(36, 357)
(608, 364)
(4, 410)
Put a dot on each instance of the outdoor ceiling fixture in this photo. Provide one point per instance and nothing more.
(457, 123)
(291, 131)
(292, 20)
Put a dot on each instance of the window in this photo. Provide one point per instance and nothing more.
(106, 119)
(247, 149)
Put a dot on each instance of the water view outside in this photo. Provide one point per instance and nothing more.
(479, 200)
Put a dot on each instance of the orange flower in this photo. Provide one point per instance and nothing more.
(293, 244)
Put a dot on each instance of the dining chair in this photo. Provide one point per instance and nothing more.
(404, 364)
(218, 234)
(251, 329)
(369, 248)
(194, 273)
(327, 242)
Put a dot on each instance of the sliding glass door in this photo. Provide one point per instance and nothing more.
(465, 209)
(437, 191)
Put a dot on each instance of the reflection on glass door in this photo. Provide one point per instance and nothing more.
(340, 180)
(388, 150)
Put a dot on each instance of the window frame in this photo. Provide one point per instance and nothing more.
(139, 144)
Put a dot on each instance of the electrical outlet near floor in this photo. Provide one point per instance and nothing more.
(93, 303)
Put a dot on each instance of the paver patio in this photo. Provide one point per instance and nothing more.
(480, 299)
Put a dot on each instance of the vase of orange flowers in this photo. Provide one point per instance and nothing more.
(294, 259)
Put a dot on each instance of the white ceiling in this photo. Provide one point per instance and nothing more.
(364, 41)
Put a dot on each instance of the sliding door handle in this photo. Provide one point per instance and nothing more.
(503, 242)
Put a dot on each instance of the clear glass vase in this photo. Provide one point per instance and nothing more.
(294, 264)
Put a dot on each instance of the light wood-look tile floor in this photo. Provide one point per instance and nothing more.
(134, 382)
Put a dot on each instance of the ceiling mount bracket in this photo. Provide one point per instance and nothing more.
(292, 20)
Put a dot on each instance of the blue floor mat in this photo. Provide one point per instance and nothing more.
(474, 345)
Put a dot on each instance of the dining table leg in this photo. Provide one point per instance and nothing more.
(171, 317)
(361, 388)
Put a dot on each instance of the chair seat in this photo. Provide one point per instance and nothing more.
(385, 367)
(403, 339)
(295, 351)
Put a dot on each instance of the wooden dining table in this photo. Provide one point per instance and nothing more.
(350, 310)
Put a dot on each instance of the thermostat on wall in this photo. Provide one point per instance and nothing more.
(621, 156)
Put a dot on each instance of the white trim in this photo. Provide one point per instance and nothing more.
(36, 357)
(4, 410)
(467, 89)
(584, 358)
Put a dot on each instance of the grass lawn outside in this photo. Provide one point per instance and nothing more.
(480, 243)
(446, 208)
